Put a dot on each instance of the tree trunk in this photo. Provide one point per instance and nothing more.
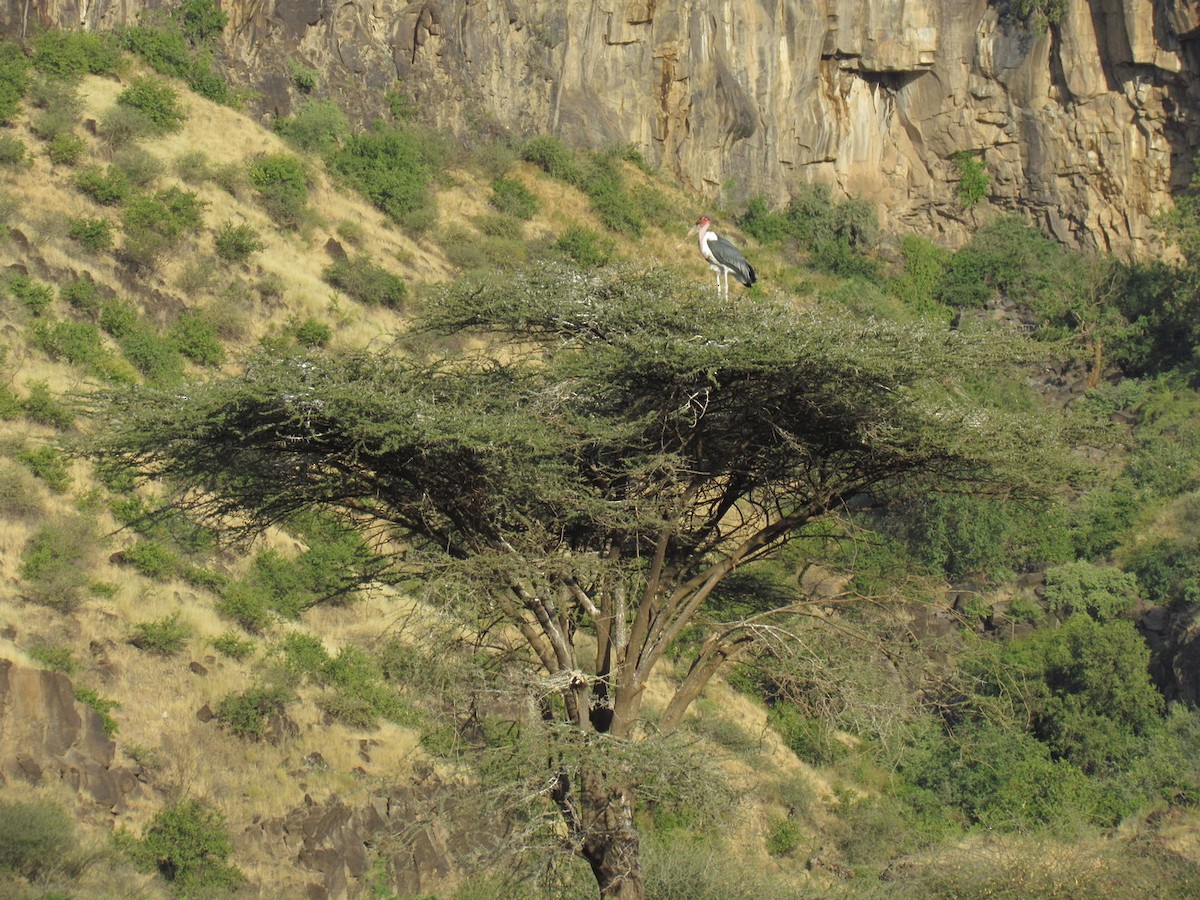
(610, 838)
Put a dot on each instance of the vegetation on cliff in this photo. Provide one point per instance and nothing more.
(862, 584)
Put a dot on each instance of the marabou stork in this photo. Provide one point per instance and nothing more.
(722, 257)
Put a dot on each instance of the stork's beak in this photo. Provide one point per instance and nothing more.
(691, 231)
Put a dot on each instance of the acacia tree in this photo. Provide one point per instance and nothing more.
(607, 450)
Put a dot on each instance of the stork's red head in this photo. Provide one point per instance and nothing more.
(703, 221)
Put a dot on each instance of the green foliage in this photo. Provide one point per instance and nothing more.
(188, 844)
(20, 498)
(107, 186)
(513, 198)
(155, 223)
(12, 150)
(924, 266)
(48, 464)
(367, 282)
(282, 186)
(587, 248)
(37, 839)
(784, 836)
(553, 157)
(312, 332)
(392, 167)
(810, 738)
(303, 77)
(101, 705)
(317, 127)
(138, 166)
(233, 645)
(837, 236)
(70, 54)
(94, 234)
(1006, 257)
(201, 20)
(1039, 14)
(157, 100)
(14, 79)
(43, 407)
(154, 356)
(81, 294)
(164, 637)
(195, 335)
(121, 126)
(176, 46)
(56, 657)
(65, 149)
(1101, 592)
(54, 562)
(237, 243)
(976, 536)
(35, 296)
(152, 559)
(248, 714)
(972, 178)
(58, 104)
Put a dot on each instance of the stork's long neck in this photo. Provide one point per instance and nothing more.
(703, 238)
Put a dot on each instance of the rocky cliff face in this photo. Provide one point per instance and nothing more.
(1086, 128)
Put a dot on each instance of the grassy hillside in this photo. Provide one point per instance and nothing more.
(902, 742)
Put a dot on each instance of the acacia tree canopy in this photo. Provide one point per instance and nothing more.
(614, 446)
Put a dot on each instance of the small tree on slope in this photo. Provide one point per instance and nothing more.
(618, 446)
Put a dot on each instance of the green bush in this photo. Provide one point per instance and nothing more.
(58, 106)
(392, 167)
(14, 79)
(43, 407)
(282, 186)
(153, 560)
(312, 332)
(924, 265)
(157, 100)
(65, 149)
(35, 296)
(586, 247)
(54, 561)
(233, 645)
(195, 336)
(82, 294)
(363, 280)
(1101, 592)
(165, 637)
(155, 224)
(56, 657)
(122, 125)
(248, 604)
(303, 77)
(48, 464)
(248, 714)
(201, 20)
(37, 840)
(193, 167)
(237, 243)
(153, 355)
(20, 498)
(972, 178)
(78, 343)
(101, 705)
(1009, 258)
(12, 150)
(139, 167)
(107, 186)
(69, 54)
(119, 317)
(94, 234)
(317, 127)
(553, 157)
(188, 844)
(513, 198)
